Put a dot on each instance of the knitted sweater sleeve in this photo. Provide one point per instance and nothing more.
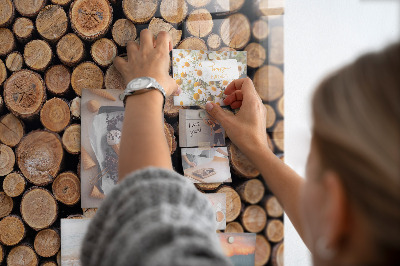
(153, 217)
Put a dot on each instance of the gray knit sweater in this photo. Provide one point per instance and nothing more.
(153, 217)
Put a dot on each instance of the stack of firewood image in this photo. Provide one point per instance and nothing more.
(50, 50)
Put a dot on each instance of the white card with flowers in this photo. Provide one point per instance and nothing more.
(204, 75)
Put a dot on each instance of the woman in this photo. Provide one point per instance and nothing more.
(346, 211)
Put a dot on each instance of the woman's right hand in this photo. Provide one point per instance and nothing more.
(246, 129)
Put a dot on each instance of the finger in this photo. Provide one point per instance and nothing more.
(146, 40)
(245, 85)
(171, 46)
(218, 113)
(236, 105)
(235, 96)
(163, 41)
(119, 63)
(131, 48)
(178, 91)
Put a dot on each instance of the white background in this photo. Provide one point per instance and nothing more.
(320, 36)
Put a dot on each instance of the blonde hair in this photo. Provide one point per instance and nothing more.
(356, 114)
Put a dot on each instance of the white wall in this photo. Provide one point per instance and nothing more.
(320, 36)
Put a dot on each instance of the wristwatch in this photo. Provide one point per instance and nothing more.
(141, 85)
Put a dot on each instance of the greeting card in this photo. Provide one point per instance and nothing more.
(204, 75)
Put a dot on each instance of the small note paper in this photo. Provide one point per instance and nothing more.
(198, 129)
(204, 75)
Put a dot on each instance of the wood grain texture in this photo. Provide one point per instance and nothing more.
(268, 81)
(14, 61)
(70, 49)
(123, 31)
(55, 115)
(52, 22)
(38, 208)
(14, 184)
(37, 55)
(47, 243)
(29, 8)
(7, 41)
(23, 29)
(24, 253)
(11, 130)
(86, 75)
(39, 156)
(7, 160)
(91, 19)
(67, 188)
(12, 230)
(139, 11)
(57, 79)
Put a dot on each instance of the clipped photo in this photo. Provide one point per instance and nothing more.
(240, 248)
(102, 116)
(218, 201)
(204, 75)
(198, 129)
(206, 165)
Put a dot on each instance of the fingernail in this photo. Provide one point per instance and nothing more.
(209, 106)
(179, 90)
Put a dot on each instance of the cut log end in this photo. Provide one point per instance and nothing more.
(47, 243)
(263, 251)
(90, 19)
(228, 7)
(3, 72)
(24, 93)
(276, 51)
(256, 55)
(157, 25)
(55, 115)
(58, 79)
(22, 253)
(29, 8)
(268, 81)
(37, 55)
(274, 230)
(272, 206)
(251, 191)
(271, 115)
(14, 184)
(70, 49)
(6, 204)
(173, 11)
(169, 135)
(139, 11)
(61, 2)
(123, 31)
(71, 139)
(260, 29)
(75, 107)
(198, 3)
(113, 79)
(12, 230)
(103, 52)
(38, 208)
(6, 14)
(193, 43)
(277, 135)
(214, 41)
(87, 75)
(254, 218)
(233, 203)
(241, 164)
(277, 254)
(39, 156)
(66, 188)
(14, 61)
(235, 31)
(7, 160)
(23, 29)
(52, 22)
(281, 106)
(7, 41)
(11, 130)
(199, 23)
(234, 227)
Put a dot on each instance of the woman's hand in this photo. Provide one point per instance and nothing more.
(246, 129)
(150, 59)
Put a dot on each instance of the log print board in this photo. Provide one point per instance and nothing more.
(46, 45)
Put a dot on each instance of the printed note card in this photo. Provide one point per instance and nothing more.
(204, 75)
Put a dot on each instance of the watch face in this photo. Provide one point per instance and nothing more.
(140, 83)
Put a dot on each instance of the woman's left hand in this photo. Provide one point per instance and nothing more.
(149, 59)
